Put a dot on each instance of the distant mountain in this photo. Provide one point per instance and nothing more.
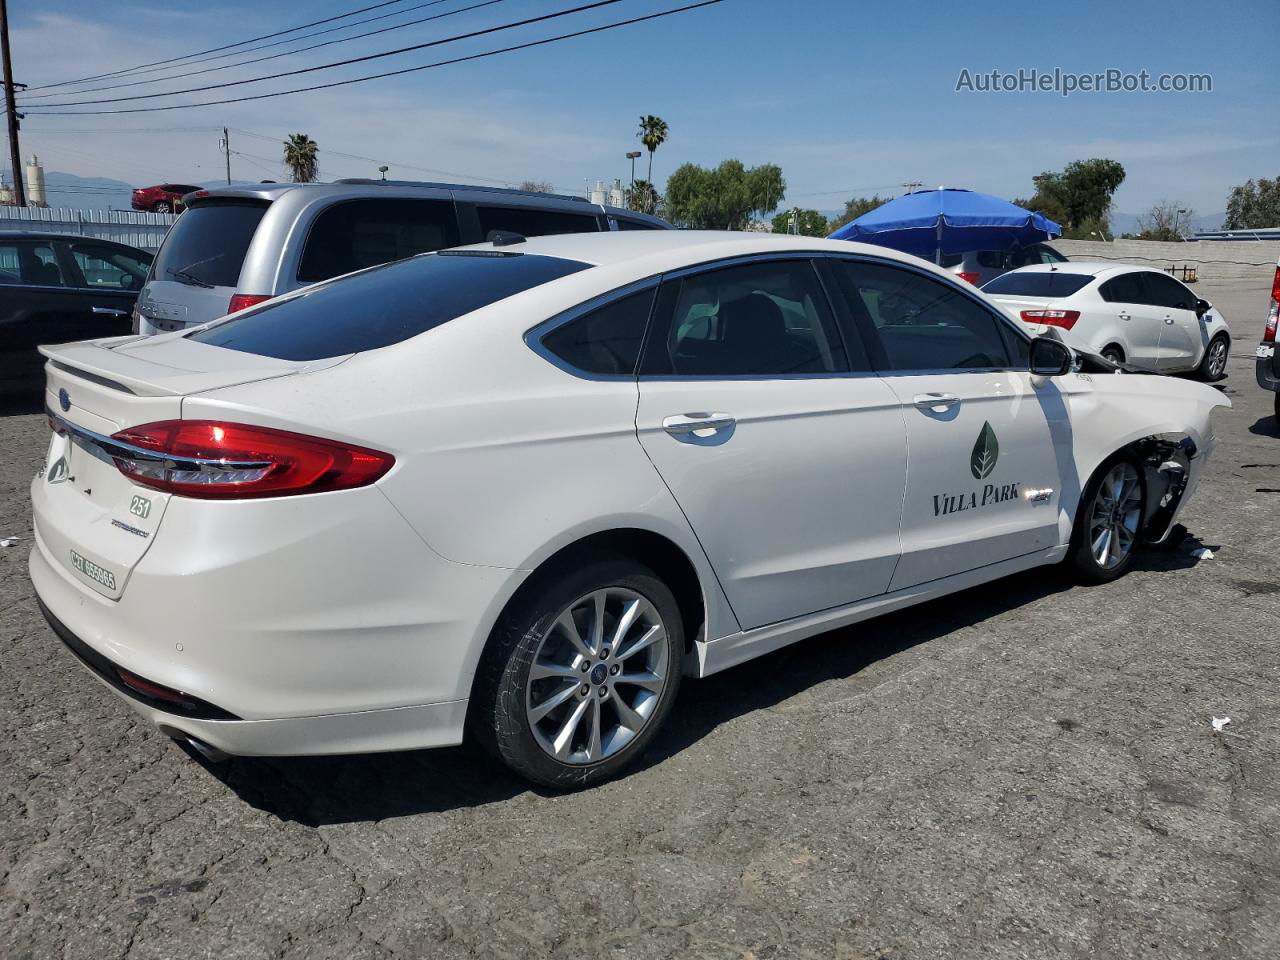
(85, 193)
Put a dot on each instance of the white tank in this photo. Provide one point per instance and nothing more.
(597, 193)
(6, 193)
(36, 196)
(617, 196)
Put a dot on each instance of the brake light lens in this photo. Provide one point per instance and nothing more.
(243, 301)
(969, 277)
(213, 460)
(1273, 318)
(1052, 318)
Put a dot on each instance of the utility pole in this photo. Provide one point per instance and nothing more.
(912, 185)
(225, 144)
(12, 115)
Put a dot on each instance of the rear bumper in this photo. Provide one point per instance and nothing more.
(1265, 368)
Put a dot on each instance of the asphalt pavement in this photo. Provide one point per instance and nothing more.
(1025, 770)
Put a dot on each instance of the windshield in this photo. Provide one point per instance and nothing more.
(206, 245)
(384, 305)
(1038, 283)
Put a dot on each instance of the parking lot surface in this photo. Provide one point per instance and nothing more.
(1024, 770)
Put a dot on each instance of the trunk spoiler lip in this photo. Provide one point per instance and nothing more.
(102, 363)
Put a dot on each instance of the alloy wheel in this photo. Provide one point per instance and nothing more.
(1217, 358)
(1115, 515)
(597, 676)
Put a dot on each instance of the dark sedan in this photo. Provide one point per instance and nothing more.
(56, 288)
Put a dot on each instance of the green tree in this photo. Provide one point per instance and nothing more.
(642, 198)
(538, 186)
(808, 223)
(653, 134)
(301, 157)
(1254, 205)
(1079, 196)
(722, 198)
(855, 208)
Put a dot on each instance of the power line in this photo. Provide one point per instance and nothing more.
(343, 63)
(284, 53)
(225, 46)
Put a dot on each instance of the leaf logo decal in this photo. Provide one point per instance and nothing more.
(985, 453)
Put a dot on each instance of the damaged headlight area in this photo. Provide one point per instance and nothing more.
(1166, 461)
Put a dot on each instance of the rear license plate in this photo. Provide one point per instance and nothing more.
(94, 572)
(1265, 351)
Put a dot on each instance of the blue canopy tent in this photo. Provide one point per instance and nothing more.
(929, 223)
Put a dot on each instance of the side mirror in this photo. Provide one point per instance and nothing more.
(1049, 358)
(1203, 307)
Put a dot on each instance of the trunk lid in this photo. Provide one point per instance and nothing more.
(94, 521)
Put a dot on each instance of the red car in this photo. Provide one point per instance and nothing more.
(163, 198)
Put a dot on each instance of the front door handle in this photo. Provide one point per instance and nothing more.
(932, 401)
(110, 312)
(683, 423)
(1168, 319)
(1125, 316)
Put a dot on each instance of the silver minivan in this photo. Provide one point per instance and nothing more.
(237, 246)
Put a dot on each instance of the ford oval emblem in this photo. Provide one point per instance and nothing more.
(64, 400)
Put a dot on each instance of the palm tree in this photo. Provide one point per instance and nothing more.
(653, 134)
(300, 153)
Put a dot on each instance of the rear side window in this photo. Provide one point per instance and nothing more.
(624, 224)
(356, 234)
(1126, 288)
(532, 222)
(921, 323)
(207, 244)
(383, 306)
(1038, 284)
(33, 264)
(607, 340)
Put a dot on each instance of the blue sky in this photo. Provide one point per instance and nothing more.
(846, 97)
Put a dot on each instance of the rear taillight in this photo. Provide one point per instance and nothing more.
(968, 277)
(1052, 318)
(1273, 318)
(212, 460)
(243, 301)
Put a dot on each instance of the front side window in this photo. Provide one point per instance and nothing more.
(532, 222)
(1164, 291)
(922, 323)
(355, 234)
(607, 340)
(757, 319)
(106, 267)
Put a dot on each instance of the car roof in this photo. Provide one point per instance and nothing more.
(67, 237)
(670, 249)
(1096, 268)
(362, 187)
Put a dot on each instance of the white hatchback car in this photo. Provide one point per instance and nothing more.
(1125, 313)
(519, 489)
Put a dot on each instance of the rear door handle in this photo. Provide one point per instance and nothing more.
(110, 312)
(930, 401)
(684, 423)
(1168, 319)
(1125, 316)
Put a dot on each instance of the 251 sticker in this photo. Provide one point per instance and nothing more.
(140, 507)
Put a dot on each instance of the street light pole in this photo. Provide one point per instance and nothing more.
(15, 155)
(632, 155)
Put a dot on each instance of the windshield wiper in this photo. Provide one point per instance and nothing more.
(189, 278)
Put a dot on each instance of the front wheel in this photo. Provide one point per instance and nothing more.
(1276, 408)
(580, 674)
(1213, 365)
(1109, 522)
(163, 207)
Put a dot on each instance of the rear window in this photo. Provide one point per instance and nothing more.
(1038, 284)
(207, 244)
(384, 305)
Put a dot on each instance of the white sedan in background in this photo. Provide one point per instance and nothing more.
(1125, 313)
(518, 489)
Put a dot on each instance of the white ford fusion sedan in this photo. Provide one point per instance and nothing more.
(516, 490)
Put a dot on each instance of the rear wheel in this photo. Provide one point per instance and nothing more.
(1213, 365)
(1113, 354)
(1276, 401)
(164, 206)
(579, 675)
(1109, 522)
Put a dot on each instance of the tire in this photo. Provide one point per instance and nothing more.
(163, 207)
(1094, 563)
(1213, 365)
(522, 718)
(1113, 354)
(1276, 408)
